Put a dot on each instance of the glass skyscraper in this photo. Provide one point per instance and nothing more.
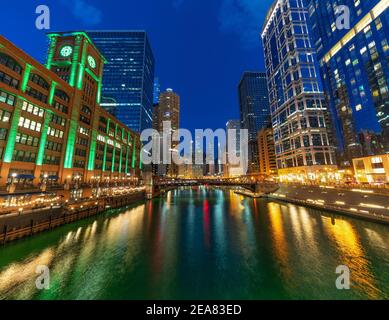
(254, 111)
(128, 81)
(300, 119)
(355, 70)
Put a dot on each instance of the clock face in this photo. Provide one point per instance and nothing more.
(91, 62)
(66, 51)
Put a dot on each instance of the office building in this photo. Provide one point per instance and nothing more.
(267, 152)
(300, 119)
(52, 129)
(167, 110)
(128, 75)
(254, 111)
(354, 68)
(234, 170)
(157, 91)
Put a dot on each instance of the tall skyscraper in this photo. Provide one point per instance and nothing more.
(128, 75)
(355, 69)
(299, 113)
(234, 170)
(168, 109)
(254, 111)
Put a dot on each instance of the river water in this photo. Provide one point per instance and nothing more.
(202, 243)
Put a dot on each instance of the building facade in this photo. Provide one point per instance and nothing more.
(167, 110)
(157, 91)
(300, 118)
(372, 169)
(128, 75)
(267, 152)
(53, 130)
(234, 170)
(355, 70)
(254, 111)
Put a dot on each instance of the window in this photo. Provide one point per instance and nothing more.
(39, 81)
(58, 120)
(7, 79)
(7, 98)
(27, 140)
(320, 158)
(62, 95)
(51, 160)
(83, 131)
(4, 116)
(80, 152)
(10, 63)
(36, 94)
(30, 124)
(3, 133)
(30, 108)
(316, 140)
(82, 141)
(53, 146)
(306, 141)
(86, 110)
(84, 119)
(313, 122)
(376, 163)
(79, 164)
(60, 107)
(25, 156)
(54, 132)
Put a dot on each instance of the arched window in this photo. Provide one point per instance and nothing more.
(39, 81)
(10, 63)
(62, 95)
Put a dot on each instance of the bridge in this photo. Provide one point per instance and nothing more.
(255, 184)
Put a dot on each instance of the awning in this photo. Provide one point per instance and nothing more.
(25, 176)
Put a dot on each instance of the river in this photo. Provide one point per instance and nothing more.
(202, 243)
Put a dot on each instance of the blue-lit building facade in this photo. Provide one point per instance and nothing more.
(254, 111)
(128, 82)
(355, 71)
(300, 118)
(157, 91)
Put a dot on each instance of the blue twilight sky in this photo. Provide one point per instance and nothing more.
(201, 47)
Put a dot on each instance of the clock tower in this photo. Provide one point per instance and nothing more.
(75, 59)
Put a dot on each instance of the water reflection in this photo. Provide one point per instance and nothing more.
(202, 243)
(279, 240)
(351, 254)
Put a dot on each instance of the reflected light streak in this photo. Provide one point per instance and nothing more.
(350, 248)
(279, 237)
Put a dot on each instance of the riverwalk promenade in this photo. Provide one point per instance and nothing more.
(357, 202)
(25, 223)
